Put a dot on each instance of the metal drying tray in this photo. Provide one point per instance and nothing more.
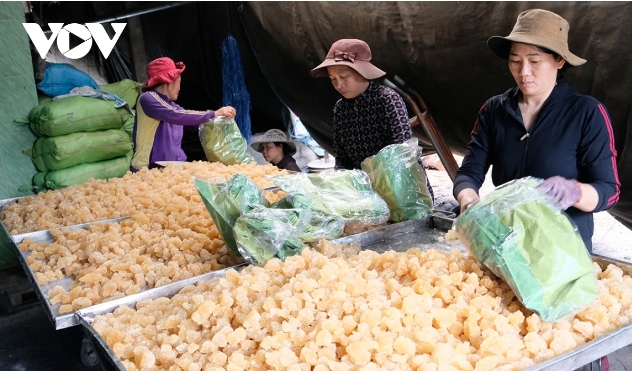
(60, 321)
(107, 357)
(424, 234)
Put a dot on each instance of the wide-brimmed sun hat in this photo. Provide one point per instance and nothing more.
(540, 28)
(162, 70)
(275, 136)
(352, 53)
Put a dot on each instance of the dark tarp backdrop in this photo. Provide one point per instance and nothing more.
(439, 48)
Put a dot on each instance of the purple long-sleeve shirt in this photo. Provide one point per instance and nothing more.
(158, 129)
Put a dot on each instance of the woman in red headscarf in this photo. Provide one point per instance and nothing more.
(159, 123)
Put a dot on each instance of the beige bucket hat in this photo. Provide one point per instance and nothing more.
(540, 28)
(276, 136)
(353, 53)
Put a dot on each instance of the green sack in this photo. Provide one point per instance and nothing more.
(226, 201)
(128, 127)
(262, 233)
(43, 98)
(62, 152)
(126, 89)
(75, 114)
(222, 142)
(78, 174)
(525, 240)
(344, 193)
(398, 178)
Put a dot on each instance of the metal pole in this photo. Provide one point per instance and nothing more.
(141, 12)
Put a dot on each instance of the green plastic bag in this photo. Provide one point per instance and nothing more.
(113, 168)
(525, 240)
(75, 114)
(262, 233)
(320, 226)
(398, 178)
(226, 201)
(62, 152)
(344, 193)
(126, 89)
(222, 142)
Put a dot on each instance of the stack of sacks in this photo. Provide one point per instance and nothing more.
(129, 91)
(82, 138)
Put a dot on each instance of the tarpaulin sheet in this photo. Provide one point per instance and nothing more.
(439, 48)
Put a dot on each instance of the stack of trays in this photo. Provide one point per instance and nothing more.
(321, 165)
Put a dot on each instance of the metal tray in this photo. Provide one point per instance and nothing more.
(424, 234)
(107, 357)
(60, 321)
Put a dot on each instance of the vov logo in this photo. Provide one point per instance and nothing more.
(62, 33)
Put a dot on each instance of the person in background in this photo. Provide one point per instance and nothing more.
(277, 150)
(369, 116)
(159, 123)
(543, 128)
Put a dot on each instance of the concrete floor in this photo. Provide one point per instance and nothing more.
(29, 342)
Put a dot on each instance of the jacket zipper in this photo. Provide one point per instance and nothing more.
(524, 155)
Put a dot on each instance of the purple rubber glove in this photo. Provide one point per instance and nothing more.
(565, 192)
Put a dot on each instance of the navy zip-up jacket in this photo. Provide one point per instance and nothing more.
(570, 137)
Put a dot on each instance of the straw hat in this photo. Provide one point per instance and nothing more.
(540, 28)
(275, 136)
(353, 53)
(162, 70)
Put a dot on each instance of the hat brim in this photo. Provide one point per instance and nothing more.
(258, 146)
(502, 45)
(364, 68)
(163, 78)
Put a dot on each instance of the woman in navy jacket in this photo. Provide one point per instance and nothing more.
(543, 127)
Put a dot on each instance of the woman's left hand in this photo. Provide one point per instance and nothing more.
(227, 111)
(565, 192)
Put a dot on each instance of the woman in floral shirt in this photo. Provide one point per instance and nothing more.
(369, 116)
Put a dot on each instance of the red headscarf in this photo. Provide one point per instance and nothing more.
(162, 70)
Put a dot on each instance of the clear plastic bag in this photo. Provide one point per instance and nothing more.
(344, 193)
(226, 201)
(222, 142)
(524, 239)
(263, 233)
(398, 178)
(320, 226)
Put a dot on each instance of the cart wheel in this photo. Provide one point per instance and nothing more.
(88, 355)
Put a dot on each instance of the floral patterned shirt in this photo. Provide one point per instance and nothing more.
(367, 123)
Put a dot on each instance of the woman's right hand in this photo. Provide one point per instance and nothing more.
(467, 197)
(227, 111)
